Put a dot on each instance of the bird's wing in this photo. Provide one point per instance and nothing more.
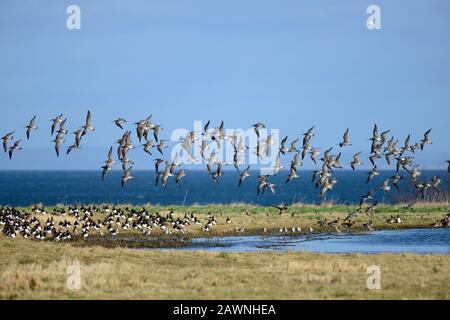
(88, 119)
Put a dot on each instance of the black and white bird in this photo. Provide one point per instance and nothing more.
(14, 148)
(120, 122)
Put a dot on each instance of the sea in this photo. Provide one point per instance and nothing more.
(24, 188)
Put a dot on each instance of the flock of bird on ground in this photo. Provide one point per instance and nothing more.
(382, 147)
(83, 221)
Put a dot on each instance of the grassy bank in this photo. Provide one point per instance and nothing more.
(255, 218)
(38, 270)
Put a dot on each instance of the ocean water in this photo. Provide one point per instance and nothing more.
(21, 188)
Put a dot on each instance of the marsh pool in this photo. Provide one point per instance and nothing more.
(423, 241)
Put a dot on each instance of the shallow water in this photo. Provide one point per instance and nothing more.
(423, 241)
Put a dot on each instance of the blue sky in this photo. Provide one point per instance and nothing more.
(290, 64)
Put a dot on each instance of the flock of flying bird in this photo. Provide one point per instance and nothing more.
(147, 132)
(61, 133)
(382, 147)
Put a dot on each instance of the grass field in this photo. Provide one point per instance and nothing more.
(30, 269)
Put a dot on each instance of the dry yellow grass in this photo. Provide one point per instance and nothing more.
(38, 270)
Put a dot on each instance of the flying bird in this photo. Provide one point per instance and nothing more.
(356, 161)
(164, 175)
(78, 135)
(15, 147)
(206, 128)
(292, 173)
(156, 129)
(126, 177)
(71, 147)
(309, 133)
(62, 131)
(281, 208)
(386, 187)
(58, 142)
(395, 180)
(296, 161)
(147, 146)
(345, 141)
(373, 173)
(243, 175)
(6, 138)
(88, 127)
(258, 126)
(162, 145)
(56, 121)
(108, 164)
(157, 163)
(313, 154)
(180, 176)
(31, 126)
(293, 147)
(283, 149)
(120, 122)
(77, 144)
(425, 140)
(367, 196)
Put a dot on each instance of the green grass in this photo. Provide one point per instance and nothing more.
(328, 207)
